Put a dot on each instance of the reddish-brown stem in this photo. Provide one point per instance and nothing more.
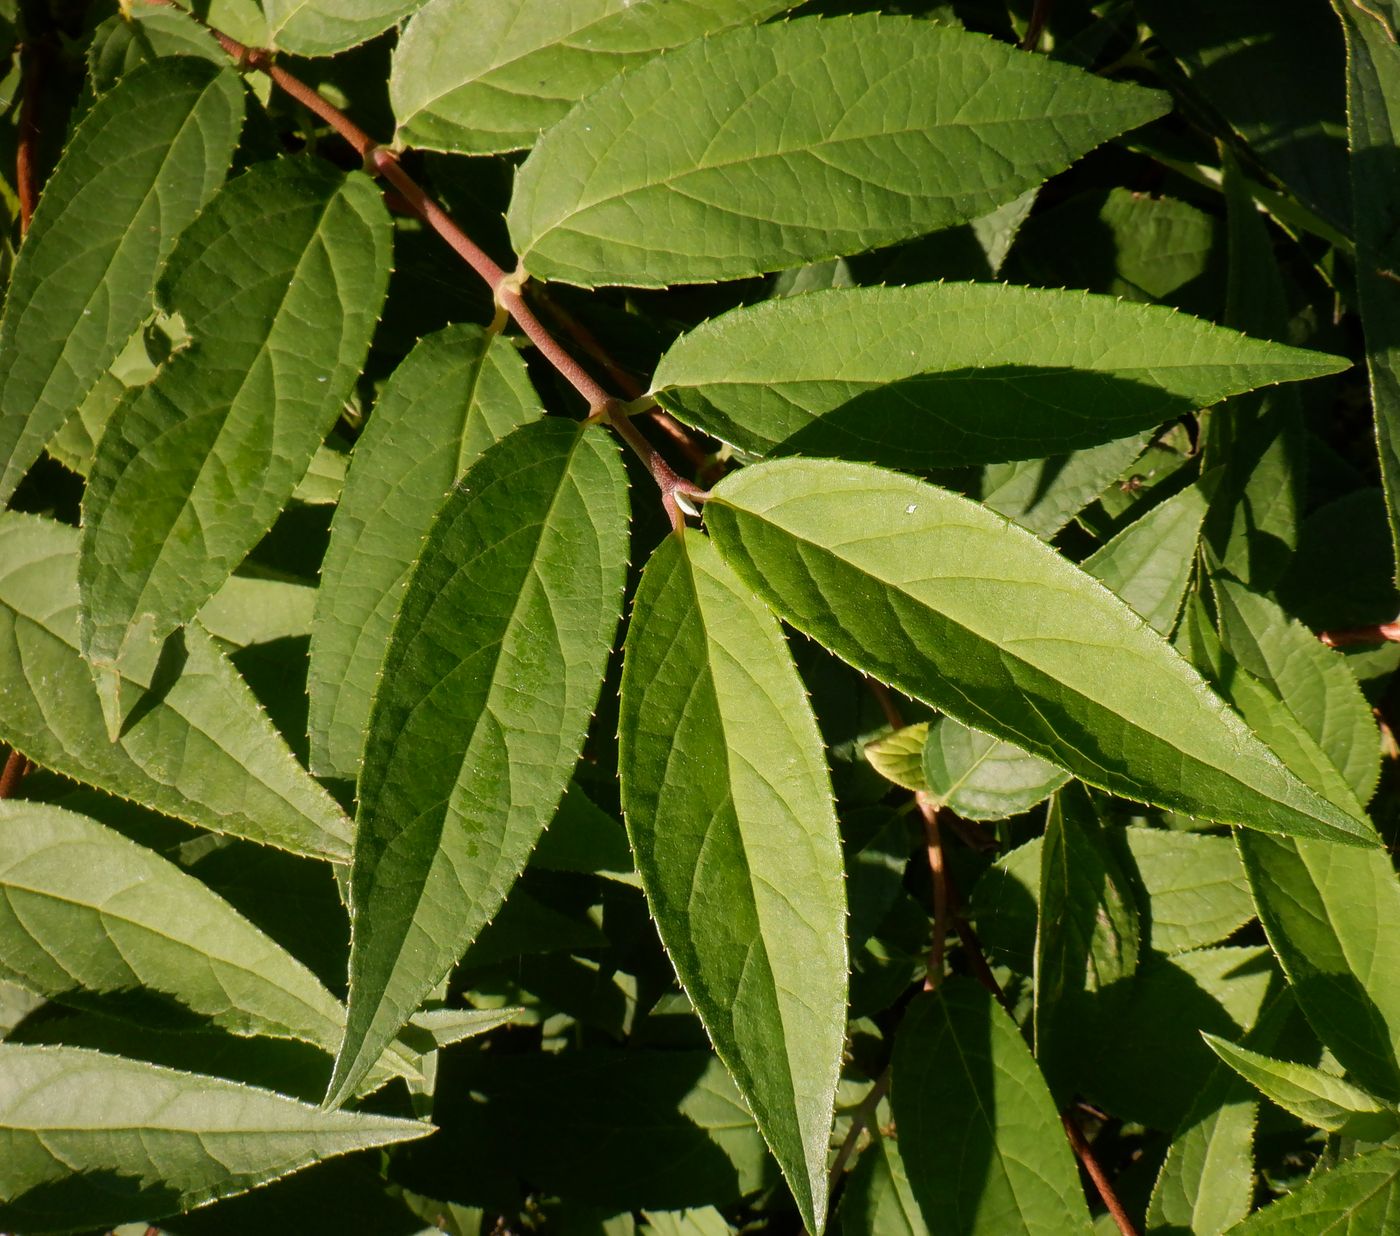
(627, 383)
(506, 288)
(32, 58)
(1040, 14)
(1379, 634)
(933, 843)
(861, 1119)
(1085, 1154)
(12, 774)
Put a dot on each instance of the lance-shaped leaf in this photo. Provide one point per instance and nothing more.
(477, 76)
(729, 809)
(1332, 915)
(491, 676)
(457, 392)
(1313, 681)
(1373, 129)
(142, 163)
(1323, 1100)
(195, 744)
(945, 374)
(1087, 934)
(1045, 494)
(1206, 1182)
(85, 913)
(279, 283)
(1149, 563)
(324, 27)
(951, 603)
(978, 1130)
(877, 1199)
(1356, 1197)
(89, 1140)
(816, 138)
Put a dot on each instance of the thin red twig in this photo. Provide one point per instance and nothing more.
(860, 1120)
(938, 870)
(32, 60)
(1384, 632)
(12, 774)
(1085, 1154)
(506, 288)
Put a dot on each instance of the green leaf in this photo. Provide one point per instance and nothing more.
(583, 837)
(877, 1199)
(195, 744)
(1312, 680)
(1194, 893)
(90, 1140)
(1332, 915)
(193, 469)
(477, 76)
(324, 27)
(457, 392)
(899, 756)
(143, 34)
(491, 676)
(892, 575)
(729, 810)
(1355, 1198)
(1222, 990)
(1373, 104)
(1045, 494)
(1149, 563)
(979, 1133)
(1087, 927)
(1320, 1099)
(1206, 1182)
(84, 910)
(1259, 443)
(982, 778)
(141, 165)
(1275, 77)
(946, 374)
(889, 130)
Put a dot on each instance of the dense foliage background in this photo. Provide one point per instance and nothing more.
(773, 617)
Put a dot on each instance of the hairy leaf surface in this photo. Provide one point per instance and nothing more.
(92, 1140)
(1320, 1099)
(1355, 1198)
(195, 744)
(729, 810)
(978, 1129)
(279, 283)
(892, 575)
(324, 27)
(769, 147)
(492, 673)
(478, 76)
(457, 392)
(944, 374)
(142, 163)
